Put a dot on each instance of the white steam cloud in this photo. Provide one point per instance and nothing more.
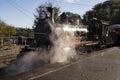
(29, 61)
(63, 51)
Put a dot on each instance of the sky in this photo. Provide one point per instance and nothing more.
(20, 13)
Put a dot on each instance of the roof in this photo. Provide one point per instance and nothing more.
(115, 26)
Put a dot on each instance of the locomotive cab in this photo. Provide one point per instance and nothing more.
(97, 31)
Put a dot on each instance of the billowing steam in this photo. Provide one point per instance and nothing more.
(29, 61)
(63, 50)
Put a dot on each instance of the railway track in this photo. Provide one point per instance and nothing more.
(7, 58)
(8, 54)
(50, 68)
(45, 69)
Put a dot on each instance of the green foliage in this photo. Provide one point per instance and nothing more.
(72, 17)
(6, 30)
(56, 13)
(106, 11)
(24, 32)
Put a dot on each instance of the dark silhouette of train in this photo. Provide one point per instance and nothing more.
(43, 30)
(99, 33)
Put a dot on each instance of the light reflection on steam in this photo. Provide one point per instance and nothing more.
(74, 28)
(63, 51)
(67, 48)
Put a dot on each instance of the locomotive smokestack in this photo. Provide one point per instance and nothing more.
(50, 13)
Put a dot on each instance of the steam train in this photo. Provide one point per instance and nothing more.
(102, 35)
(99, 34)
(96, 36)
(43, 30)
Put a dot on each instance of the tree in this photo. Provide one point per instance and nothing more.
(56, 14)
(116, 18)
(6, 30)
(106, 11)
(10, 31)
(2, 29)
(24, 32)
(71, 18)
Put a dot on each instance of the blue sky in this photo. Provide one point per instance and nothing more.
(20, 13)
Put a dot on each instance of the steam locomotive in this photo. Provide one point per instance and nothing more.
(43, 30)
(105, 34)
(99, 34)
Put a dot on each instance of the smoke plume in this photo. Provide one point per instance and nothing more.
(29, 61)
(62, 51)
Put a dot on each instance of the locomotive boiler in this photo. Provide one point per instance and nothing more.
(42, 30)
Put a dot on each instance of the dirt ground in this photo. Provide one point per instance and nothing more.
(99, 65)
(8, 53)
